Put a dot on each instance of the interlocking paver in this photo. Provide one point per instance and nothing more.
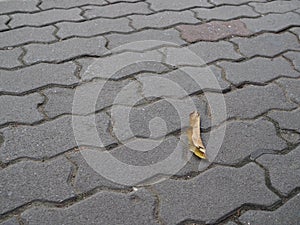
(26, 35)
(292, 87)
(18, 6)
(9, 58)
(276, 6)
(287, 214)
(114, 207)
(93, 27)
(225, 13)
(116, 10)
(3, 20)
(21, 109)
(37, 76)
(45, 181)
(230, 188)
(44, 17)
(177, 4)
(295, 57)
(163, 19)
(296, 30)
(272, 68)
(233, 2)
(284, 170)
(65, 50)
(287, 120)
(267, 44)
(48, 4)
(11, 221)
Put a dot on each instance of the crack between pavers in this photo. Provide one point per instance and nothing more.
(41, 106)
(73, 173)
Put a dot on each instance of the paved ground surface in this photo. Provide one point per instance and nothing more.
(251, 46)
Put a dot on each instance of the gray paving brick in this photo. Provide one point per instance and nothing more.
(18, 6)
(233, 2)
(3, 20)
(114, 207)
(93, 27)
(65, 50)
(26, 35)
(295, 57)
(28, 141)
(21, 109)
(27, 181)
(267, 44)
(292, 87)
(276, 6)
(197, 54)
(296, 30)
(225, 12)
(230, 188)
(163, 19)
(177, 4)
(272, 22)
(37, 76)
(45, 17)
(290, 136)
(258, 70)
(48, 4)
(287, 120)
(11, 221)
(116, 10)
(9, 58)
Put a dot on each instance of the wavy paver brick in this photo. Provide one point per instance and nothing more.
(177, 4)
(213, 31)
(288, 120)
(295, 57)
(292, 87)
(227, 188)
(45, 181)
(9, 58)
(18, 6)
(276, 6)
(233, 2)
(69, 3)
(296, 30)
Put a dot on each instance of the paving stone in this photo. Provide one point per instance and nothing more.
(296, 30)
(276, 6)
(9, 58)
(213, 31)
(163, 19)
(287, 214)
(177, 4)
(233, 2)
(48, 4)
(27, 181)
(200, 53)
(3, 20)
(292, 87)
(151, 38)
(287, 120)
(26, 35)
(272, 22)
(22, 109)
(114, 207)
(116, 10)
(65, 50)
(114, 1)
(267, 44)
(37, 76)
(258, 70)
(284, 170)
(28, 141)
(18, 6)
(45, 17)
(93, 27)
(295, 57)
(230, 187)
(290, 136)
(231, 223)
(225, 12)
(11, 221)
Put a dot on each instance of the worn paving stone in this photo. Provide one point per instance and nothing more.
(225, 12)
(93, 27)
(28, 141)
(258, 70)
(27, 181)
(287, 214)
(150, 38)
(114, 207)
(21, 109)
(65, 50)
(18, 6)
(287, 120)
(233, 2)
(200, 53)
(26, 35)
(267, 44)
(290, 136)
(11, 221)
(37, 76)
(284, 170)
(295, 58)
(163, 19)
(230, 187)
(45, 17)
(276, 6)
(213, 31)
(177, 4)
(296, 30)
(272, 22)
(3, 20)
(292, 87)
(116, 10)
(47, 4)
(9, 58)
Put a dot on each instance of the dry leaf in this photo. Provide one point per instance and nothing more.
(193, 133)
